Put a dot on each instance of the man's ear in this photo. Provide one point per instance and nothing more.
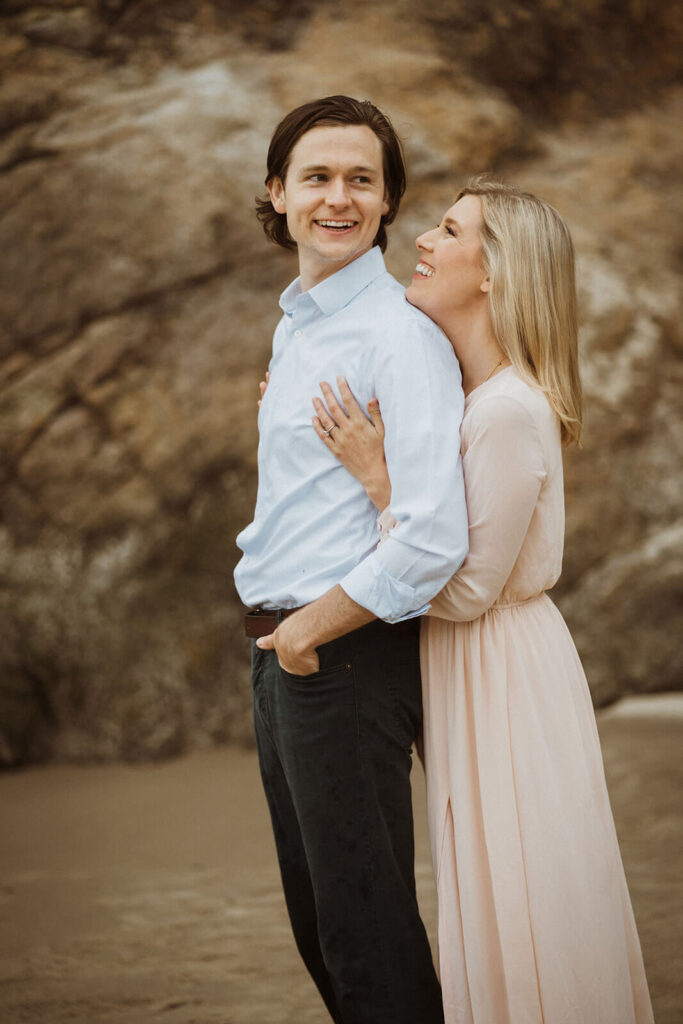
(276, 191)
(386, 205)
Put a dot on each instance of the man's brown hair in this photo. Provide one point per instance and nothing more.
(332, 110)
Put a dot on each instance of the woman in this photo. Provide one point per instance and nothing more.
(535, 921)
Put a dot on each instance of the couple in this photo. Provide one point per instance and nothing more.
(535, 921)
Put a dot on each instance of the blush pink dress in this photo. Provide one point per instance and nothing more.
(535, 920)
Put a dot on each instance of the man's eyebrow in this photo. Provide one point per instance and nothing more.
(318, 168)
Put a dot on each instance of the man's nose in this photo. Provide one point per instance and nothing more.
(337, 193)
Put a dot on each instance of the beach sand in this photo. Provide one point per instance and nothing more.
(151, 893)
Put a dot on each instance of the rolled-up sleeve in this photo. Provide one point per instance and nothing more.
(418, 385)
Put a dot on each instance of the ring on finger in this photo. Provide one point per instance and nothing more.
(328, 432)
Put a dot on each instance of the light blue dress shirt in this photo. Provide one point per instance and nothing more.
(314, 526)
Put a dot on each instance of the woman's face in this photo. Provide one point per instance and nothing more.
(450, 282)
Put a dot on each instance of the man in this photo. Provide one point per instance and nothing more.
(336, 716)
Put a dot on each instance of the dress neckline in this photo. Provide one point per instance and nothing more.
(487, 383)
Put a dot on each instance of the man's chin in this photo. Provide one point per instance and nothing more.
(342, 255)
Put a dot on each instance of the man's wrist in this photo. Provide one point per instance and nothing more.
(331, 616)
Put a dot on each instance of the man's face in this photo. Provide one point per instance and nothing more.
(333, 196)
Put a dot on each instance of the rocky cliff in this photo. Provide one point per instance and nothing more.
(138, 296)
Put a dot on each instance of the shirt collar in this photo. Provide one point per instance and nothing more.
(339, 289)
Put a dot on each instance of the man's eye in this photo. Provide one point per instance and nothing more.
(316, 177)
(362, 180)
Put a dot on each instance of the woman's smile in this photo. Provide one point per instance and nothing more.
(423, 270)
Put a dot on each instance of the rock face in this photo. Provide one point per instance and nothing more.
(138, 298)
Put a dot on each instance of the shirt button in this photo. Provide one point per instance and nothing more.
(297, 334)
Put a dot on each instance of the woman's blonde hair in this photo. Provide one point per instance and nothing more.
(529, 256)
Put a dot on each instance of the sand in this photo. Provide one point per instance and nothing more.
(151, 893)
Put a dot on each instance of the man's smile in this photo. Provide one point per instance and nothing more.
(337, 226)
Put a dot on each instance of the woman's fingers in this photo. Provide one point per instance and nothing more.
(326, 421)
(263, 384)
(335, 419)
(350, 403)
(322, 433)
(333, 410)
(333, 406)
(376, 417)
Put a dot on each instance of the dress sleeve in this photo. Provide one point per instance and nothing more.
(504, 467)
(386, 521)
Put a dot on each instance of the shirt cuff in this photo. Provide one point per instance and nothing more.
(371, 586)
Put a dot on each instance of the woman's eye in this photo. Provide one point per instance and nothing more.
(450, 231)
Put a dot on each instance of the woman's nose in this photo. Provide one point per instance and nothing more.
(425, 241)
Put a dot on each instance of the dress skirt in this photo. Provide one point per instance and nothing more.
(535, 920)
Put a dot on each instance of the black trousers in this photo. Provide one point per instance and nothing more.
(335, 756)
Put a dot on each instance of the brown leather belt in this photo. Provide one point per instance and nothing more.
(263, 622)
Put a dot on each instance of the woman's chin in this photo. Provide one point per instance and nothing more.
(413, 296)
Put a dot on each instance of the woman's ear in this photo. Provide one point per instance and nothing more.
(276, 191)
(485, 285)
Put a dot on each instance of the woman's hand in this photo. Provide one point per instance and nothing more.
(263, 385)
(357, 442)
